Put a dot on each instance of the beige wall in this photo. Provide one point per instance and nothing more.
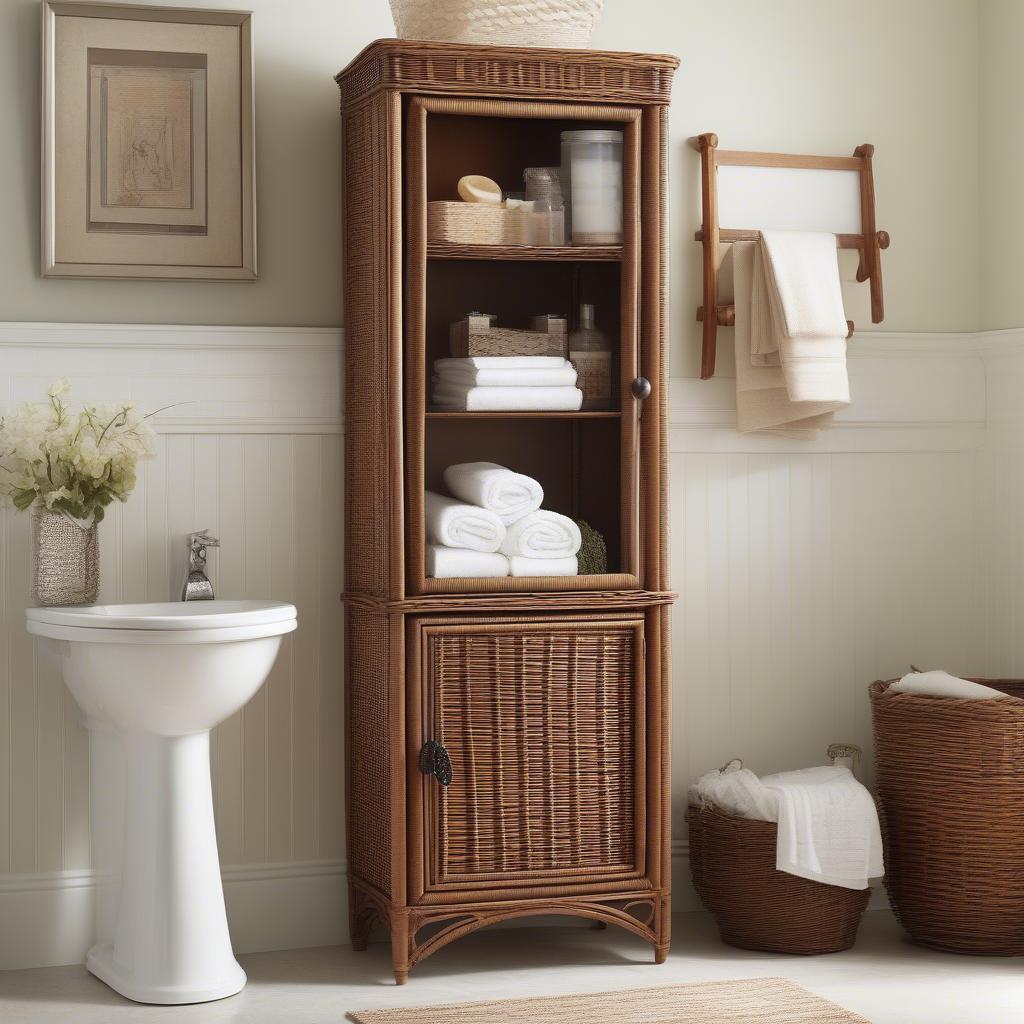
(775, 75)
(1001, 38)
(299, 45)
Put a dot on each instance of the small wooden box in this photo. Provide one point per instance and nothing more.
(476, 336)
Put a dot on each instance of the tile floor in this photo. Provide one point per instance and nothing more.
(884, 977)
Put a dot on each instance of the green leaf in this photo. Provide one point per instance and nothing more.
(22, 499)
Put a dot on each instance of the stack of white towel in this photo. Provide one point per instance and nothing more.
(790, 333)
(500, 383)
(493, 525)
(828, 823)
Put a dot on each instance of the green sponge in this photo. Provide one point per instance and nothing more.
(593, 554)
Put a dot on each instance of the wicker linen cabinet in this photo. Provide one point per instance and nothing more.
(549, 695)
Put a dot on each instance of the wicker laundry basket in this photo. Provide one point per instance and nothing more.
(732, 861)
(558, 23)
(950, 780)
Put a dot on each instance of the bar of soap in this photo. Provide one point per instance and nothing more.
(475, 188)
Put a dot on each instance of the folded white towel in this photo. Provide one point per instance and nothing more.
(442, 563)
(505, 362)
(556, 372)
(457, 525)
(520, 566)
(941, 684)
(454, 398)
(828, 827)
(542, 534)
(797, 317)
(509, 495)
(763, 401)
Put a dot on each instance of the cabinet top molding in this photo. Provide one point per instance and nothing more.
(418, 66)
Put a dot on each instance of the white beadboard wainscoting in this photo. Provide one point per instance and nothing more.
(805, 570)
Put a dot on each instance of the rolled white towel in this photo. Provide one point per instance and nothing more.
(555, 372)
(942, 684)
(520, 566)
(463, 397)
(457, 525)
(542, 534)
(509, 495)
(443, 563)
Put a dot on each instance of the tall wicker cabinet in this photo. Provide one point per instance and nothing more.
(550, 695)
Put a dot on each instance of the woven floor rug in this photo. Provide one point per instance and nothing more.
(750, 1001)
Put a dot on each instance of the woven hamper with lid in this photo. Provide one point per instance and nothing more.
(950, 780)
(557, 23)
(732, 861)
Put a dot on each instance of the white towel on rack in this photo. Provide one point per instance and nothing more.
(542, 534)
(440, 563)
(506, 371)
(520, 566)
(457, 525)
(509, 495)
(797, 319)
(763, 401)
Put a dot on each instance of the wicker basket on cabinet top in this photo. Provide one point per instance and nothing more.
(950, 780)
(567, 23)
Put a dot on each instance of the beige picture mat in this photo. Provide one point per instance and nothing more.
(137, 99)
(221, 246)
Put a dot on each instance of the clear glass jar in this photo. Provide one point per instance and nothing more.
(590, 352)
(591, 182)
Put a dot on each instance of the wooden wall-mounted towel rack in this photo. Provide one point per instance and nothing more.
(868, 241)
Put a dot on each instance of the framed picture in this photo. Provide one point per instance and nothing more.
(148, 143)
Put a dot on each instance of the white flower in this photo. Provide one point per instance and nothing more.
(74, 460)
(59, 387)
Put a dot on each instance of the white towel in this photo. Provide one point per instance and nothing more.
(520, 566)
(456, 525)
(797, 317)
(442, 563)
(509, 495)
(763, 401)
(542, 534)
(455, 398)
(941, 684)
(828, 827)
(737, 791)
(556, 372)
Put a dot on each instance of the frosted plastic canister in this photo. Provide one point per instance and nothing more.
(592, 186)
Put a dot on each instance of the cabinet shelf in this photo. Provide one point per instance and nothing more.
(521, 415)
(550, 253)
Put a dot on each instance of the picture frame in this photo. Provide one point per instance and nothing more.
(148, 143)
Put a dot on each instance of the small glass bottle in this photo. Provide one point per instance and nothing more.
(590, 352)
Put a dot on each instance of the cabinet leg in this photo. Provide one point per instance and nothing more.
(660, 954)
(360, 919)
(400, 947)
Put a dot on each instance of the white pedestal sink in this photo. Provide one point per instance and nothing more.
(153, 679)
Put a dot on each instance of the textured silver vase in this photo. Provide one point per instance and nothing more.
(65, 560)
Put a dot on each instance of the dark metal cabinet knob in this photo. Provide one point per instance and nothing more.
(434, 760)
(641, 388)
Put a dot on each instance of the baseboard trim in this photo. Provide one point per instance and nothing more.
(48, 917)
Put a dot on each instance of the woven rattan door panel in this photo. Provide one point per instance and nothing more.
(543, 722)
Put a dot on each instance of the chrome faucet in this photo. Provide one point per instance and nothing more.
(197, 585)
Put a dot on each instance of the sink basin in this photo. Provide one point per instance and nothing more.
(152, 681)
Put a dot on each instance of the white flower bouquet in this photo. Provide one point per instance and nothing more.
(67, 465)
(75, 461)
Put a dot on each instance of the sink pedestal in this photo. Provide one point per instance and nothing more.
(169, 871)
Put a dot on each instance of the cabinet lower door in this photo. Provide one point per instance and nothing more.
(542, 721)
